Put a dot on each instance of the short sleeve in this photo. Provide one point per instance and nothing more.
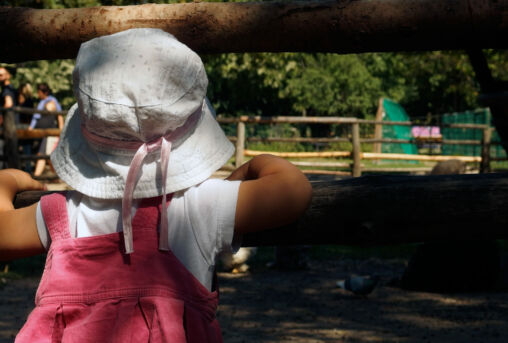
(11, 93)
(211, 208)
(42, 229)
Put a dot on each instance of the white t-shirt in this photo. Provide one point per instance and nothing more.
(201, 223)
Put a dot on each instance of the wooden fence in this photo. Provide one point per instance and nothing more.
(12, 135)
(389, 209)
(356, 153)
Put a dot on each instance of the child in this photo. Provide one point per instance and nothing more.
(138, 149)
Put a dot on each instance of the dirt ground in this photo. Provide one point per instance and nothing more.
(268, 305)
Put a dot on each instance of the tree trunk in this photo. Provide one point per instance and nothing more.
(494, 94)
(342, 26)
(372, 210)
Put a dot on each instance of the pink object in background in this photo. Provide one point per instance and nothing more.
(426, 131)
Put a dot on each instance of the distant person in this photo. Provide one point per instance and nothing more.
(47, 103)
(8, 95)
(7, 100)
(26, 100)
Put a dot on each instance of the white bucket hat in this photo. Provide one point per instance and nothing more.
(141, 101)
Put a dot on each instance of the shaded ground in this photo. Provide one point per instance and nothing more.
(274, 306)
(305, 306)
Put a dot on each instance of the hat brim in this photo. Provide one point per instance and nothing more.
(102, 174)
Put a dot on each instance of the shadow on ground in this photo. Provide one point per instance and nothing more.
(305, 306)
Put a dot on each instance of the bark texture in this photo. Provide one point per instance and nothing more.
(377, 210)
(343, 26)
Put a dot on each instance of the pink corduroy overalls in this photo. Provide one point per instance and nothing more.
(92, 292)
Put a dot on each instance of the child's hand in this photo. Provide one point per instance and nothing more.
(13, 181)
(21, 181)
(18, 228)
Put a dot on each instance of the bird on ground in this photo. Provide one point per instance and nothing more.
(359, 285)
(237, 263)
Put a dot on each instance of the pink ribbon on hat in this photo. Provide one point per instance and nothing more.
(163, 143)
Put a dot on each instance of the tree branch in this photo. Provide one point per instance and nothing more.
(344, 26)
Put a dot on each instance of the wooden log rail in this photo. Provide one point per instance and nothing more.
(365, 156)
(355, 154)
(376, 210)
(311, 26)
(26, 110)
(12, 135)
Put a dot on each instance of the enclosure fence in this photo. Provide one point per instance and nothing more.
(354, 138)
(12, 135)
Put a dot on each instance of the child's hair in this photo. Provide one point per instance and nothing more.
(25, 89)
(44, 88)
(142, 126)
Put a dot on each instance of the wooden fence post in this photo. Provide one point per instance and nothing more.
(378, 128)
(485, 163)
(240, 143)
(355, 130)
(11, 140)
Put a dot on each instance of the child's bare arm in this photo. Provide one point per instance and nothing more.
(274, 193)
(18, 228)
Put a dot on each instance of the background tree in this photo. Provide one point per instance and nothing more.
(307, 84)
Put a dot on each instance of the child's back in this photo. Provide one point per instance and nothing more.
(200, 221)
(90, 292)
(142, 138)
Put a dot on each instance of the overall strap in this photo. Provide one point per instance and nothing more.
(149, 213)
(54, 212)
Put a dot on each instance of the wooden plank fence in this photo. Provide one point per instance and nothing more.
(355, 154)
(12, 135)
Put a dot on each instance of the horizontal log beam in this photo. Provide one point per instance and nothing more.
(334, 120)
(26, 110)
(364, 155)
(335, 154)
(322, 164)
(378, 210)
(373, 210)
(325, 172)
(37, 133)
(408, 157)
(327, 26)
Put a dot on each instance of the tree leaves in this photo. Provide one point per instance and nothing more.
(308, 84)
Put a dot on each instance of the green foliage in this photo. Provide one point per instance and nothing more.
(434, 82)
(330, 84)
(308, 84)
(246, 84)
(345, 85)
(291, 84)
(272, 131)
(498, 63)
(57, 74)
